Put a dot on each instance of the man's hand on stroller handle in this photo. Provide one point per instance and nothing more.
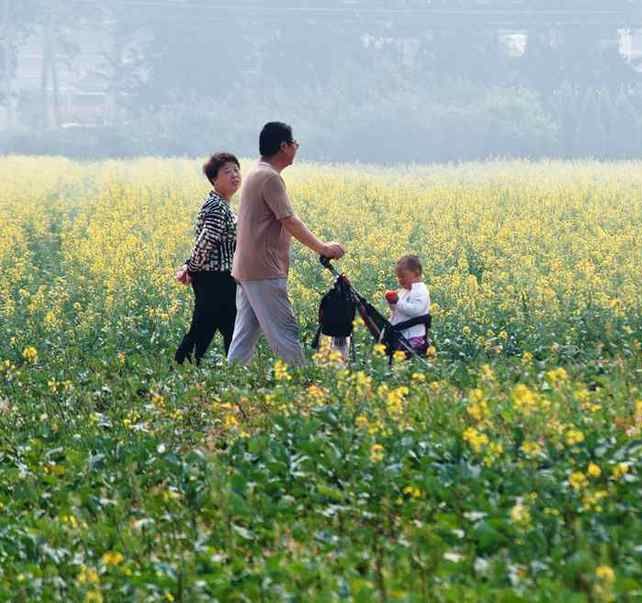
(332, 250)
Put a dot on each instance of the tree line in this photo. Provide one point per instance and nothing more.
(365, 80)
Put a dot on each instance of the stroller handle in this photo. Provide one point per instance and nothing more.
(325, 262)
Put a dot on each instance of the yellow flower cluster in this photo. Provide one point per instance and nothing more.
(413, 491)
(557, 376)
(531, 449)
(577, 480)
(520, 515)
(281, 371)
(525, 399)
(478, 407)
(592, 501)
(87, 575)
(593, 470)
(30, 354)
(112, 558)
(620, 470)
(377, 453)
(574, 436)
(317, 394)
(476, 439)
(606, 573)
(395, 400)
(493, 453)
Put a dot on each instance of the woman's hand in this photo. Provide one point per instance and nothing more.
(182, 275)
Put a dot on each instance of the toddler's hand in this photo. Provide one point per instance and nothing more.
(392, 297)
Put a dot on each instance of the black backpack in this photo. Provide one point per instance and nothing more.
(336, 312)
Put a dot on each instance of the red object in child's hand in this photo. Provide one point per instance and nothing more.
(392, 297)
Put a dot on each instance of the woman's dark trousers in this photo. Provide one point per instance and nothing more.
(214, 310)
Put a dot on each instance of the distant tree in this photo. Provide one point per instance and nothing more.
(626, 125)
(54, 21)
(587, 57)
(16, 23)
(195, 49)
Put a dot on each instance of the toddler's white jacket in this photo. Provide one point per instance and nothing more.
(412, 303)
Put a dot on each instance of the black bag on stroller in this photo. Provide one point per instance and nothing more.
(380, 328)
(336, 312)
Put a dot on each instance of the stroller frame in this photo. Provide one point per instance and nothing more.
(377, 324)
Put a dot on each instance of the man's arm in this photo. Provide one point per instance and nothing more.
(297, 228)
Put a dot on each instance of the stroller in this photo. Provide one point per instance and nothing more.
(337, 312)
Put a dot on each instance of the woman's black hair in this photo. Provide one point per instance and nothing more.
(216, 162)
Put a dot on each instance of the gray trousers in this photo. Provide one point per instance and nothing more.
(264, 306)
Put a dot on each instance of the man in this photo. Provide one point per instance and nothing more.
(266, 223)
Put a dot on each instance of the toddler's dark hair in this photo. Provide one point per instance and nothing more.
(412, 263)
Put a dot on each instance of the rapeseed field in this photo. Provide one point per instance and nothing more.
(508, 469)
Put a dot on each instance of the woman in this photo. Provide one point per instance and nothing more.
(208, 268)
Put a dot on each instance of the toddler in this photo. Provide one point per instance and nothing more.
(412, 300)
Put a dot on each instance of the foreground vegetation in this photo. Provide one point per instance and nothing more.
(508, 470)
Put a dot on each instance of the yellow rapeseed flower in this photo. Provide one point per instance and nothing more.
(475, 439)
(620, 470)
(557, 376)
(574, 436)
(112, 558)
(87, 575)
(281, 371)
(376, 453)
(606, 573)
(230, 421)
(412, 491)
(524, 399)
(520, 515)
(317, 393)
(531, 448)
(591, 501)
(379, 349)
(30, 354)
(361, 422)
(578, 480)
(478, 407)
(593, 470)
(399, 356)
(493, 453)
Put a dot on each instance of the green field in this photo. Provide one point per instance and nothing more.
(508, 470)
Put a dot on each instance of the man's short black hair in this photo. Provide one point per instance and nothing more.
(272, 135)
(216, 162)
